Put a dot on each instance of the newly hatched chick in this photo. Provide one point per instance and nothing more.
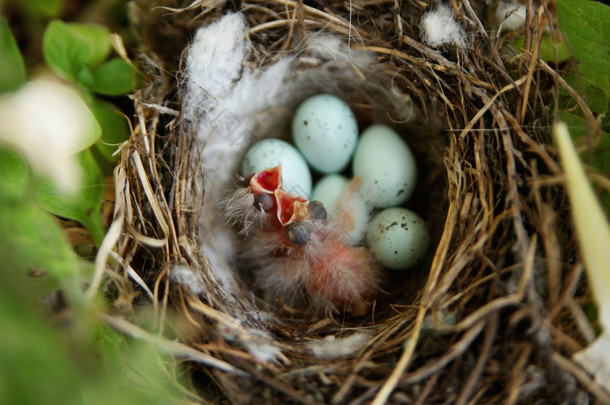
(299, 253)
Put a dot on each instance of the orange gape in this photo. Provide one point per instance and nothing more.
(297, 253)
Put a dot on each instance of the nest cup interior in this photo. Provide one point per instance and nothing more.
(375, 98)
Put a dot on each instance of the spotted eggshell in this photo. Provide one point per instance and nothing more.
(386, 166)
(398, 238)
(325, 131)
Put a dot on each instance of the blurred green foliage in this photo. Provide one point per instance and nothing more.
(12, 68)
(82, 204)
(83, 362)
(54, 352)
(42, 8)
(77, 53)
(584, 26)
(43, 360)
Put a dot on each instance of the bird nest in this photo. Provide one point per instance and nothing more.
(495, 312)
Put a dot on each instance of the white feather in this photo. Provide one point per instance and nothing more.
(257, 342)
(511, 16)
(214, 61)
(440, 28)
(332, 347)
(187, 277)
(334, 49)
(238, 120)
(223, 102)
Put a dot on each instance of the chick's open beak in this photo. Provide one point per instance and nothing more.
(262, 185)
(290, 207)
(266, 181)
(283, 207)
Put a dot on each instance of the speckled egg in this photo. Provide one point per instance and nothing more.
(328, 190)
(386, 165)
(398, 238)
(296, 177)
(325, 131)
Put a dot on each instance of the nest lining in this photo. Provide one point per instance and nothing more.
(497, 315)
(292, 80)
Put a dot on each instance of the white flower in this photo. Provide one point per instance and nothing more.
(49, 123)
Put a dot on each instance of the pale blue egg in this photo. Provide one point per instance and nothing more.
(386, 165)
(296, 177)
(328, 190)
(325, 131)
(332, 190)
(398, 238)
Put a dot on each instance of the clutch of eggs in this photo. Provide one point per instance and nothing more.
(325, 133)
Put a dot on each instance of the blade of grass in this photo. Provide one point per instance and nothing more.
(591, 223)
(593, 233)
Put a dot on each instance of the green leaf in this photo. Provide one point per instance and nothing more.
(597, 89)
(548, 48)
(12, 69)
(115, 130)
(594, 86)
(147, 380)
(65, 51)
(97, 38)
(600, 153)
(43, 8)
(585, 26)
(43, 363)
(84, 203)
(85, 77)
(115, 77)
(34, 238)
(15, 178)
(70, 47)
(38, 367)
(577, 125)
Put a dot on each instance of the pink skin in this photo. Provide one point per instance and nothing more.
(336, 277)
